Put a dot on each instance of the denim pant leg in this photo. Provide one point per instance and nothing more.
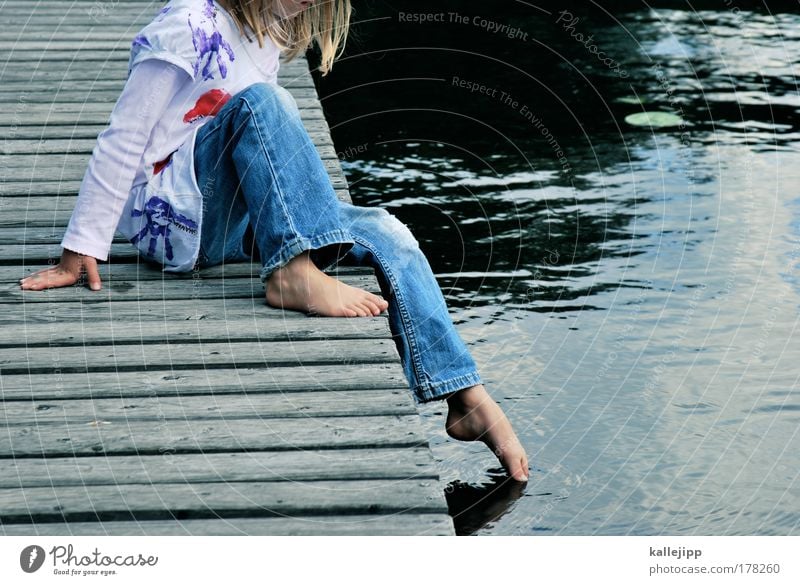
(256, 166)
(435, 359)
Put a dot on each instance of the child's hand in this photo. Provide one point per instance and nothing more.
(66, 273)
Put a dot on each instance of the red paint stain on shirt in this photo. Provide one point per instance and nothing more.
(207, 104)
(159, 166)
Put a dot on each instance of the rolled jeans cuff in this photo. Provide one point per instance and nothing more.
(299, 245)
(431, 391)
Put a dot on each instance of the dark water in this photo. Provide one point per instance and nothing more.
(631, 295)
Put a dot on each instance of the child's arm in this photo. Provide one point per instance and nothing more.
(110, 174)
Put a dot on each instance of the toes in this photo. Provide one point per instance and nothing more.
(358, 311)
(518, 467)
(377, 304)
(350, 313)
(523, 469)
(516, 470)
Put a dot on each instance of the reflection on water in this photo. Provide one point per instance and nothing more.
(634, 309)
(475, 506)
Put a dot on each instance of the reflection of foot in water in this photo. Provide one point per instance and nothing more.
(474, 506)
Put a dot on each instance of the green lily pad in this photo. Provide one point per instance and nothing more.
(654, 119)
(633, 100)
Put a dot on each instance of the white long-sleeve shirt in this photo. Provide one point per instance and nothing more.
(115, 165)
(141, 181)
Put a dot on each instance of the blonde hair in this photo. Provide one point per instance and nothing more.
(324, 22)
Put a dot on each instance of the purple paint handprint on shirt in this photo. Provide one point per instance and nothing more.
(142, 40)
(160, 218)
(210, 47)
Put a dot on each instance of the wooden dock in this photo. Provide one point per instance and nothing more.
(165, 403)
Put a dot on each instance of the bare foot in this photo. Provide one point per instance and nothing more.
(301, 286)
(474, 416)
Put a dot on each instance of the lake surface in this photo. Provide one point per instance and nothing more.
(630, 294)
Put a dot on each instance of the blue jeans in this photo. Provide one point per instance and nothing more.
(267, 195)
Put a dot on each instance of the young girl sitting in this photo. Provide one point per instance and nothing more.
(206, 160)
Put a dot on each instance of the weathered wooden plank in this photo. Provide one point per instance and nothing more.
(92, 62)
(79, 54)
(77, 131)
(101, 12)
(87, 44)
(16, 77)
(298, 66)
(332, 378)
(148, 9)
(20, 6)
(229, 407)
(56, 76)
(69, 146)
(24, 91)
(92, 32)
(235, 331)
(106, 97)
(179, 309)
(108, 61)
(52, 114)
(176, 356)
(18, 212)
(27, 91)
(52, 232)
(42, 146)
(35, 196)
(37, 30)
(405, 524)
(67, 8)
(118, 21)
(36, 218)
(183, 436)
(114, 72)
(266, 466)
(96, 11)
(108, 31)
(58, 73)
(27, 167)
(106, 93)
(150, 290)
(41, 109)
(135, 311)
(218, 499)
(31, 184)
(11, 253)
(23, 7)
(150, 271)
(117, 54)
(76, 47)
(34, 188)
(48, 235)
(82, 60)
